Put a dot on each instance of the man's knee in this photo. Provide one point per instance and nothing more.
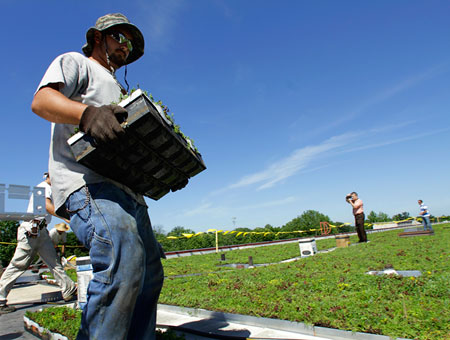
(21, 264)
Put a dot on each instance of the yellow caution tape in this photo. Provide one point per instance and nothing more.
(265, 233)
(14, 243)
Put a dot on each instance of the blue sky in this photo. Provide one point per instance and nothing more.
(292, 104)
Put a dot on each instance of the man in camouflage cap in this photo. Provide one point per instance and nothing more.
(109, 218)
(116, 20)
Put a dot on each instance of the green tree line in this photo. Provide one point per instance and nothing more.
(308, 220)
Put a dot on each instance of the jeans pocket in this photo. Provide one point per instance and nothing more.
(79, 207)
(102, 259)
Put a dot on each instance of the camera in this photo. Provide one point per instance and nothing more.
(348, 197)
(40, 223)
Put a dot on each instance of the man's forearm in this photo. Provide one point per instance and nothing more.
(50, 207)
(53, 106)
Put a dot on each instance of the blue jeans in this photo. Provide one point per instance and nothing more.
(128, 275)
(426, 223)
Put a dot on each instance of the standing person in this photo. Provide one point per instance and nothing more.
(110, 219)
(32, 240)
(425, 215)
(58, 236)
(358, 212)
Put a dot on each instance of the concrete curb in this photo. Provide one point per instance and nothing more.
(281, 325)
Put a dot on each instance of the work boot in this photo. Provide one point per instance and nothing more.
(5, 309)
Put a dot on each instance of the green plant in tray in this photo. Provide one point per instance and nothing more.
(62, 320)
(66, 321)
(167, 114)
(72, 273)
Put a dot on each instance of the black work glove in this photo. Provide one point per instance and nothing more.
(179, 185)
(103, 123)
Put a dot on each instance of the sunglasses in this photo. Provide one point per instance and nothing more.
(121, 39)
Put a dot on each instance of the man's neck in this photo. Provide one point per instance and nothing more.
(103, 62)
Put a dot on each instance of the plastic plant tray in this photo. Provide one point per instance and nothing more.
(151, 158)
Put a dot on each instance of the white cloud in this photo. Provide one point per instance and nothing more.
(160, 18)
(209, 209)
(287, 167)
(387, 94)
(396, 140)
(302, 159)
(201, 209)
(206, 209)
(269, 204)
(225, 8)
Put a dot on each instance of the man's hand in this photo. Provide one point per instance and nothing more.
(179, 185)
(103, 123)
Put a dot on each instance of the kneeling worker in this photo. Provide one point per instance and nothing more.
(32, 240)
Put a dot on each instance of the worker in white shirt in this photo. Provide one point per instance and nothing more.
(59, 237)
(32, 240)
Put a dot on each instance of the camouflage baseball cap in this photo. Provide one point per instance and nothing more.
(116, 19)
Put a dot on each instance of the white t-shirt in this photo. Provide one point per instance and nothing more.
(424, 208)
(86, 81)
(56, 237)
(48, 194)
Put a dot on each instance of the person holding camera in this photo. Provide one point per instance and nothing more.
(358, 212)
(32, 240)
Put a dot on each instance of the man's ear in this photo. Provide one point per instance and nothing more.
(98, 37)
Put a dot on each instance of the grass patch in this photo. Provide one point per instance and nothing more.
(332, 289)
(209, 263)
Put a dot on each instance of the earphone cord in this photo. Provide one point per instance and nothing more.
(125, 78)
(114, 73)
